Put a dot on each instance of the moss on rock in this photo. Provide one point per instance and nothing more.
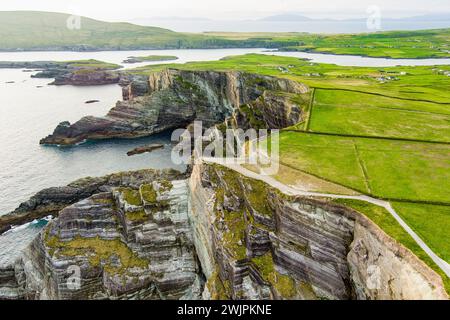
(234, 234)
(149, 193)
(217, 288)
(131, 196)
(137, 216)
(99, 252)
(283, 284)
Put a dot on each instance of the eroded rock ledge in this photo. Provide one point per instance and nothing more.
(217, 235)
(174, 98)
(52, 200)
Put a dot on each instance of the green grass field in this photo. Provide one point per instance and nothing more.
(92, 64)
(417, 83)
(431, 222)
(360, 120)
(389, 169)
(392, 44)
(353, 113)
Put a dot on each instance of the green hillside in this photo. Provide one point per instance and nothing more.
(32, 30)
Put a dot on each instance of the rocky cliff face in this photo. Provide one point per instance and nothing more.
(255, 243)
(131, 242)
(174, 98)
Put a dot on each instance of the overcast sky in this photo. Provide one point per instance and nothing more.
(227, 9)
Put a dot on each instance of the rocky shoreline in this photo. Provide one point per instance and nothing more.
(52, 200)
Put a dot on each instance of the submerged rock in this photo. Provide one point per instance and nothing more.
(144, 149)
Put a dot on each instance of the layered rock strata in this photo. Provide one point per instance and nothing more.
(256, 243)
(68, 73)
(86, 77)
(131, 242)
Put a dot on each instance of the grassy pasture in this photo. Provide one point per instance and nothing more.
(354, 113)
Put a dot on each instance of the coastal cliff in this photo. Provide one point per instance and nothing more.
(173, 99)
(255, 243)
(85, 77)
(217, 235)
(52, 200)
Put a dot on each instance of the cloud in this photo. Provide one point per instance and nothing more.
(219, 9)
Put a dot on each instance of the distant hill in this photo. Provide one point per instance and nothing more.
(30, 30)
(299, 18)
(33, 30)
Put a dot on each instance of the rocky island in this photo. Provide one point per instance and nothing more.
(77, 73)
(151, 58)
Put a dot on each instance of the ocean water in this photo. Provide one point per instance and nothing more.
(14, 241)
(119, 56)
(30, 109)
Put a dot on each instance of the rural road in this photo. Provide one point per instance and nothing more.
(445, 267)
